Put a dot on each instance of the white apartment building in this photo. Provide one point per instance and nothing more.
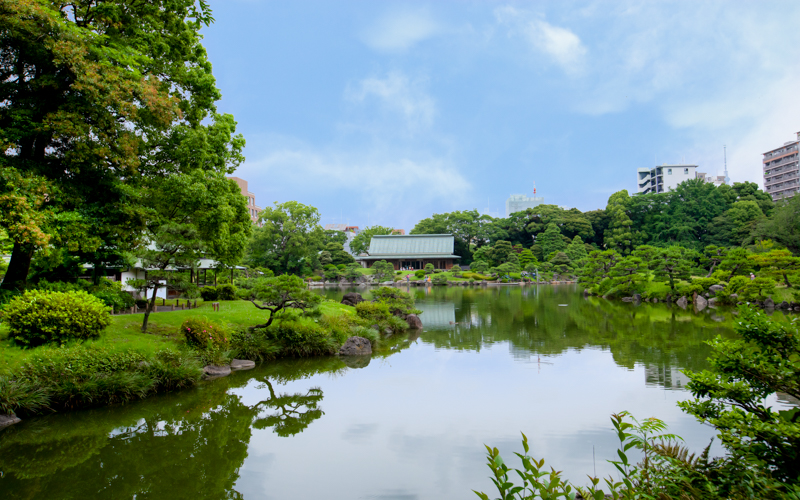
(782, 170)
(663, 178)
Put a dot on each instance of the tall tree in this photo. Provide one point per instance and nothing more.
(778, 264)
(89, 87)
(360, 243)
(783, 226)
(576, 251)
(337, 254)
(672, 263)
(468, 228)
(288, 239)
(551, 241)
(619, 235)
(191, 216)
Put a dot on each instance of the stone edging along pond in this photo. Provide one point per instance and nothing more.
(319, 284)
(708, 299)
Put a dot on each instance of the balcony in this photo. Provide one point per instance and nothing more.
(781, 179)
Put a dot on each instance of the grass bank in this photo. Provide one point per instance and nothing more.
(125, 364)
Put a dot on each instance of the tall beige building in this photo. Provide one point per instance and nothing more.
(782, 170)
(252, 208)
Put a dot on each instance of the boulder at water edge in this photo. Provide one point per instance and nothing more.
(214, 371)
(356, 346)
(242, 364)
(713, 289)
(352, 298)
(414, 322)
(769, 303)
(682, 302)
(6, 420)
(700, 303)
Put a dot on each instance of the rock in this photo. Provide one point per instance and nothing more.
(734, 296)
(356, 346)
(637, 297)
(769, 303)
(700, 303)
(783, 305)
(387, 331)
(713, 289)
(413, 321)
(627, 299)
(242, 364)
(682, 302)
(387, 283)
(712, 302)
(211, 372)
(6, 420)
(586, 292)
(655, 300)
(352, 298)
(356, 361)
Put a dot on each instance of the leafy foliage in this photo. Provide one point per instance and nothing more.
(201, 333)
(360, 244)
(383, 271)
(282, 292)
(288, 240)
(39, 317)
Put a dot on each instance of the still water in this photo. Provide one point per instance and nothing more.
(409, 423)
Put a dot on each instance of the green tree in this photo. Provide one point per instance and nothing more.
(598, 266)
(744, 215)
(778, 264)
(190, 216)
(551, 240)
(360, 244)
(288, 240)
(732, 395)
(338, 255)
(332, 236)
(526, 257)
(577, 252)
(619, 235)
(627, 275)
(281, 293)
(561, 263)
(89, 90)
(672, 263)
(468, 227)
(383, 271)
(332, 273)
(738, 261)
(325, 258)
(712, 257)
(783, 226)
(502, 252)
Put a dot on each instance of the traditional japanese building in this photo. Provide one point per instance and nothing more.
(411, 251)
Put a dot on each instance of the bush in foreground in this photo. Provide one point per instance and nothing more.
(39, 317)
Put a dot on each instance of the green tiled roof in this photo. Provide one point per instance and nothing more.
(417, 245)
(408, 256)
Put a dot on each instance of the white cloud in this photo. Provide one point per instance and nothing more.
(399, 94)
(560, 44)
(399, 30)
(386, 182)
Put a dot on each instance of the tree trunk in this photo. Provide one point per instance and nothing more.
(711, 271)
(786, 280)
(150, 307)
(17, 274)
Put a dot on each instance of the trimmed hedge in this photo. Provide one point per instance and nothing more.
(39, 317)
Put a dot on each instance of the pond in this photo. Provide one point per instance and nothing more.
(409, 423)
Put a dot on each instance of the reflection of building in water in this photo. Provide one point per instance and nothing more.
(437, 315)
(668, 377)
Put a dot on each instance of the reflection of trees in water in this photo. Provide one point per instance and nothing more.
(188, 444)
(293, 413)
(531, 321)
(184, 445)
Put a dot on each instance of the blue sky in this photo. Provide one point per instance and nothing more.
(388, 112)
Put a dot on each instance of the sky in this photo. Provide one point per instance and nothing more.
(388, 112)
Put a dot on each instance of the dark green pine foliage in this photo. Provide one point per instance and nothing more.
(551, 241)
(672, 263)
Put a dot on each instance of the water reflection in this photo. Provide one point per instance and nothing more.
(490, 362)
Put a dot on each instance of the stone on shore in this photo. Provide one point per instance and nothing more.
(356, 346)
(682, 302)
(242, 364)
(211, 372)
(700, 303)
(713, 289)
(414, 322)
(769, 303)
(6, 420)
(352, 298)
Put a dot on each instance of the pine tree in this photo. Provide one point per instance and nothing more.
(576, 251)
(552, 241)
(619, 235)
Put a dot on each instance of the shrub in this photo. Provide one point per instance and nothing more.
(419, 273)
(141, 303)
(202, 334)
(757, 289)
(428, 268)
(226, 292)
(683, 288)
(254, 345)
(377, 313)
(244, 294)
(736, 283)
(399, 302)
(38, 317)
(456, 269)
(705, 283)
(439, 279)
(209, 293)
(300, 339)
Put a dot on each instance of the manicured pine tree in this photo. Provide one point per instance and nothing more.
(576, 251)
(551, 240)
(778, 264)
(619, 235)
(672, 263)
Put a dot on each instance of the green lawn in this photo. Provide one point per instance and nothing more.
(163, 328)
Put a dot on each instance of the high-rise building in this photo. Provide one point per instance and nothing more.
(520, 202)
(663, 178)
(252, 208)
(782, 170)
